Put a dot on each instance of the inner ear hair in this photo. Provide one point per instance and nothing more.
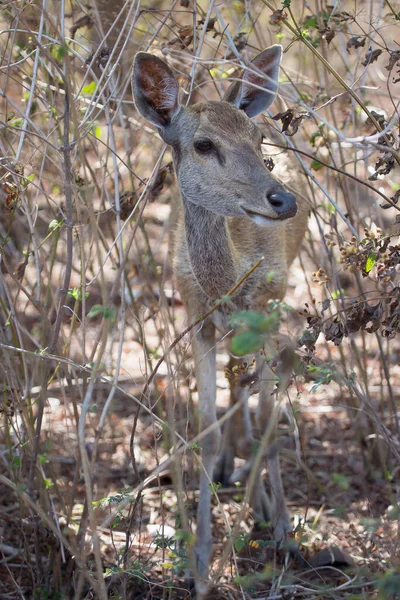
(155, 89)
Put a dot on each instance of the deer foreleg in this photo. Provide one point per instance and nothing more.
(237, 436)
(267, 417)
(205, 366)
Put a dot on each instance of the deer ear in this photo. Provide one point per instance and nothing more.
(257, 88)
(155, 89)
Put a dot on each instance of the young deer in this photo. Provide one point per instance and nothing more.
(232, 212)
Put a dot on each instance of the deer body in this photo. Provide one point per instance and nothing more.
(232, 212)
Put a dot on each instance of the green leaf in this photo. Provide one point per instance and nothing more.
(256, 322)
(96, 311)
(314, 137)
(270, 276)
(250, 318)
(96, 131)
(341, 481)
(394, 513)
(76, 293)
(389, 584)
(240, 543)
(214, 487)
(54, 224)
(99, 310)
(246, 342)
(335, 294)
(371, 260)
(311, 23)
(90, 88)
(196, 448)
(61, 52)
(316, 165)
(185, 536)
(26, 180)
(16, 462)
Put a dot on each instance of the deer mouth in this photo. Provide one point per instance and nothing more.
(263, 220)
(259, 218)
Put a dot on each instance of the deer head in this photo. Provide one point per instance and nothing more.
(216, 146)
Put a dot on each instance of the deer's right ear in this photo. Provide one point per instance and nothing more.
(155, 89)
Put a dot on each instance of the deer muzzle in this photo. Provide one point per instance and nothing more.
(284, 204)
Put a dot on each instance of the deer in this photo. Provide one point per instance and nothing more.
(231, 212)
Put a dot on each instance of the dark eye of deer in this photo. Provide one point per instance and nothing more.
(204, 146)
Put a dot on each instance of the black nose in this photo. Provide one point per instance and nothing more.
(284, 204)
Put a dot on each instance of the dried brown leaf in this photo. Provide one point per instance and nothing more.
(334, 331)
(355, 42)
(327, 34)
(371, 56)
(278, 16)
(291, 118)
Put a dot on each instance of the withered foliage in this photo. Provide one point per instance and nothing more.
(383, 166)
(371, 56)
(269, 163)
(127, 202)
(10, 187)
(355, 41)
(391, 324)
(327, 33)
(334, 330)
(393, 60)
(101, 58)
(374, 250)
(360, 314)
(278, 16)
(310, 335)
(339, 16)
(291, 120)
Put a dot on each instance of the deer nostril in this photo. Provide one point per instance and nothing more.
(284, 203)
(276, 200)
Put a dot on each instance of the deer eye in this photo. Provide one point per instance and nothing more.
(204, 146)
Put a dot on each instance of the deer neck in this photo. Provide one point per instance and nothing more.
(211, 250)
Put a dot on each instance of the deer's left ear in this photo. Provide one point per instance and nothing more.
(155, 89)
(257, 88)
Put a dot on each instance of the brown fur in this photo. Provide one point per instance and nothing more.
(232, 212)
(245, 242)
